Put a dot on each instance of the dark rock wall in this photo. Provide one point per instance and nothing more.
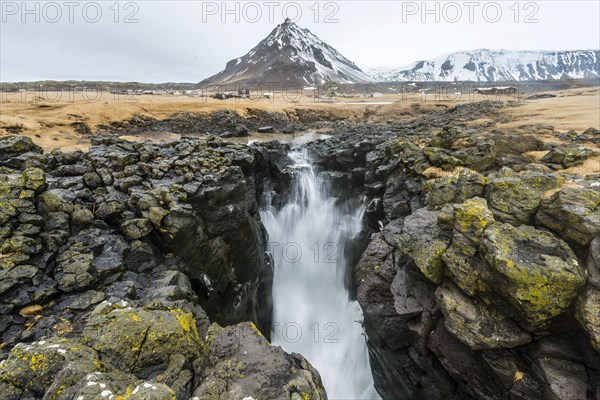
(127, 221)
(479, 284)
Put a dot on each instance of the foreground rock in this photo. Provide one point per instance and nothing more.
(155, 353)
(533, 270)
(241, 364)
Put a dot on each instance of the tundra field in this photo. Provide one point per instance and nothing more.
(52, 123)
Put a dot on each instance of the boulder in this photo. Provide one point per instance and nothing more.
(533, 270)
(593, 262)
(480, 157)
(11, 146)
(75, 271)
(475, 324)
(566, 157)
(442, 158)
(242, 364)
(109, 210)
(588, 314)
(422, 240)
(34, 179)
(57, 200)
(141, 340)
(35, 366)
(464, 266)
(565, 380)
(471, 218)
(573, 213)
(515, 198)
(454, 188)
(136, 228)
(82, 217)
(89, 256)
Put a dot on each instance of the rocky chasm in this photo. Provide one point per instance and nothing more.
(141, 270)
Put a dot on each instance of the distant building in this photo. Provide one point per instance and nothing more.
(509, 90)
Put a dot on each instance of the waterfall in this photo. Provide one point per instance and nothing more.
(313, 313)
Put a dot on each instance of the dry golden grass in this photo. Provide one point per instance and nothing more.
(535, 156)
(435, 172)
(48, 121)
(31, 310)
(565, 185)
(590, 166)
(576, 109)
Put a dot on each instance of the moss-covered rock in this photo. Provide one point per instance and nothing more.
(472, 217)
(242, 364)
(515, 198)
(464, 266)
(454, 188)
(9, 392)
(10, 188)
(480, 157)
(475, 324)
(532, 269)
(156, 215)
(565, 157)
(34, 179)
(11, 146)
(141, 340)
(441, 158)
(82, 216)
(75, 271)
(109, 210)
(588, 314)
(35, 366)
(422, 240)
(136, 228)
(573, 213)
(147, 391)
(57, 200)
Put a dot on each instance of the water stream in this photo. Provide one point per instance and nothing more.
(313, 313)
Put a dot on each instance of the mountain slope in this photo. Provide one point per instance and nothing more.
(290, 55)
(485, 65)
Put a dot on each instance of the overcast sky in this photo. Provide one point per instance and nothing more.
(187, 41)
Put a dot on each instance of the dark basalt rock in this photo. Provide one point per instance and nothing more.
(108, 218)
(123, 249)
(478, 338)
(490, 293)
(240, 363)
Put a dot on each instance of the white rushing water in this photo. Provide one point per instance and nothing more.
(313, 314)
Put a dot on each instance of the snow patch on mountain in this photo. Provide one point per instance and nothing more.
(290, 55)
(485, 65)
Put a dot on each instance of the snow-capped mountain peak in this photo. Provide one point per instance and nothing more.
(290, 55)
(484, 65)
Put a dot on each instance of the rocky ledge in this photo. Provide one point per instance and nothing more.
(114, 262)
(480, 275)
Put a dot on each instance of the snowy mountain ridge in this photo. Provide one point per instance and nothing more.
(484, 65)
(290, 55)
